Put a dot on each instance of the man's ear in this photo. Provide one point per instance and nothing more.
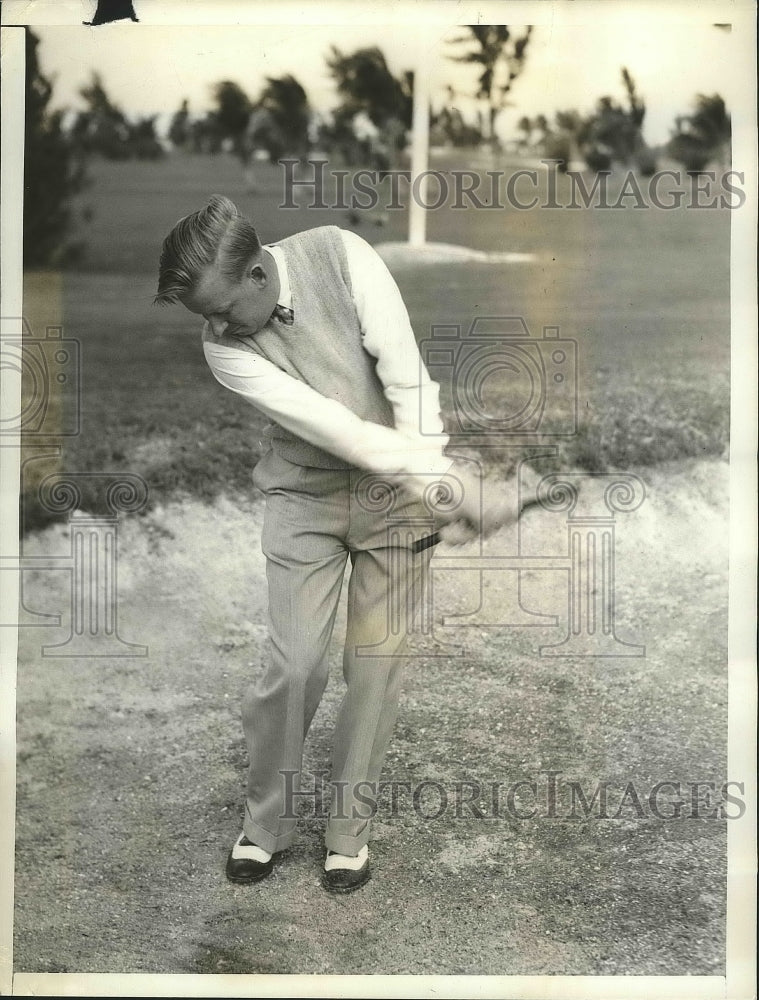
(258, 275)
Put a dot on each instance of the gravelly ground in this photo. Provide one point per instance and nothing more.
(130, 772)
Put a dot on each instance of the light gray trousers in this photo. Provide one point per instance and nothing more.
(315, 519)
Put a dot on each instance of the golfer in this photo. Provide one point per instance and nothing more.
(314, 333)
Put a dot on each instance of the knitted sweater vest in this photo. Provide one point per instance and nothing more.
(323, 346)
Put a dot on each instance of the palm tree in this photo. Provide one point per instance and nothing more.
(286, 103)
(496, 49)
(365, 83)
(613, 133)
(232, 113)
(367, 87)
(703, 136)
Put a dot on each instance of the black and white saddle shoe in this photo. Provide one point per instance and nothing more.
(343, 873)
(248, 863)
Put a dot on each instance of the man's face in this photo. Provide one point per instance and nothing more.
(236, 307)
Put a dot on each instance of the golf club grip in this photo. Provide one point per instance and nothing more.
(425, 543)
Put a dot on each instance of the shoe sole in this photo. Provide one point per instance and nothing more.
(247, 881)
(343, 889)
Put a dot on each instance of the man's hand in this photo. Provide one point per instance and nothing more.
(458, 533)
(487, 505)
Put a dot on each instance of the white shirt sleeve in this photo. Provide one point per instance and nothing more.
(388, 336)
(325, 422)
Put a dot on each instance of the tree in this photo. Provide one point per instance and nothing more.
(285, 118)
(365, 83)
(232, 113)
(51, 175)
(637, 109)
(525, 127)
(703, 136)
(143, 141)
(499, 55)
(448, 126)
(568, 121)
(374, 103)
(612, 133)
(102, 127)
(179, 129)
(205, 134)
(556, 140)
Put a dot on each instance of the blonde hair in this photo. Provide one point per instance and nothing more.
(217, 234)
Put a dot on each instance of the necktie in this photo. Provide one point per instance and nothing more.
(283, 314)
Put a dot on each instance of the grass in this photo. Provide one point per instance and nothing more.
(645, 295)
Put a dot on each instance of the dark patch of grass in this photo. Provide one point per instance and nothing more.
(643, 427)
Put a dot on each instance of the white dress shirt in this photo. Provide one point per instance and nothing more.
(387, 335)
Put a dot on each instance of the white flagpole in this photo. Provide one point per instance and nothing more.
(420, 140)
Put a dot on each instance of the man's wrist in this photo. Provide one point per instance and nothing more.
(454, 496)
